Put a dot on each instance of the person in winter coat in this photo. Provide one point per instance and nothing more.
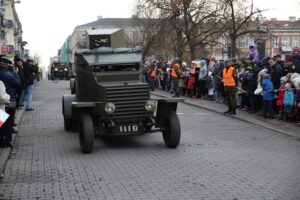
(253, 54)
(29, 73)
(276, 72)
(5, 139)
(297, 104)
(280, 96)
(288, 102)
(12, 82)
(18, 63)
(202, 79)
(268, 96)
(216, 79)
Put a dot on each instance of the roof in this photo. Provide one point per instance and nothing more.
(282, 24)
(118, 22)
(102, 31)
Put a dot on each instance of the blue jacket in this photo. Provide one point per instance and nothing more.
(268, 88)
(11, 82)
(289, 99)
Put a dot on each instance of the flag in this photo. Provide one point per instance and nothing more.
(3, 117)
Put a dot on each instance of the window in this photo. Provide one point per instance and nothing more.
(250, 41)
(243, 43)
(295, 42)
(219, 42)
(285, 42)
(274, 42)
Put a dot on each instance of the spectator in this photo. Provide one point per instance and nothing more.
(288, 101)
(297, 105)
(29, 74)
(253, 54)
(12, 82)
(5, 139)
(280, 96)
(18, 63)
(268, 96)
(202, 79)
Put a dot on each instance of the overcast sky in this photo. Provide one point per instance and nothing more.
(47, 23)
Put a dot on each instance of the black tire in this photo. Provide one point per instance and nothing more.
(171, 130)
(73, 91)
(86, 134)
(67, 124)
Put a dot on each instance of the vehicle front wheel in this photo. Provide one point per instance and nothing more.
(171, 130)
(67, 124)
(86, 134)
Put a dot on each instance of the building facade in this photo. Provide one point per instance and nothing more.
(282, 36)
(11, 41)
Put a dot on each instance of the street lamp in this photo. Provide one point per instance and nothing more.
(17, 1)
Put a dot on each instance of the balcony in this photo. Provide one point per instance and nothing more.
(7, 23)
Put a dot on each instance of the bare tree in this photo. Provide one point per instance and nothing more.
(37, 58)
(239, 19)
(153, 24)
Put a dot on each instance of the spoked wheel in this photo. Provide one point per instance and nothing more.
(86, 134)
(171, 130)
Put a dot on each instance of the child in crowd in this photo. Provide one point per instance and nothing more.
(280, 96)
(297, 105)
(268, 96)
(288, 102)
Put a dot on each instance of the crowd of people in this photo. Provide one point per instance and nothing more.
(269, 87)
(16, 89)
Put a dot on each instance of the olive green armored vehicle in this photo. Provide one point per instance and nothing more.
(112, 100)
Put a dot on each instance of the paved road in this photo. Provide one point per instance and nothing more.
(218, 158)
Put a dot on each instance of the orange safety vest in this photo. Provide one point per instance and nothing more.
(174, 74)
(228, 79)
(153, 73)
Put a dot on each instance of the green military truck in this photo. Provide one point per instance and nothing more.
(59, 71)
(111, 99)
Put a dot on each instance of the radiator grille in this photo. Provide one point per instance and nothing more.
(129, 100)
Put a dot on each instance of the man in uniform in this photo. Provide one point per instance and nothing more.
(230, 80)
(176, 75)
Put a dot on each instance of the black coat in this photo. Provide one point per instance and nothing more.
(29, 73)
(276, 74)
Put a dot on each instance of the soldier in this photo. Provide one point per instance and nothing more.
(152, 75)
(230, 81)
(176, 75)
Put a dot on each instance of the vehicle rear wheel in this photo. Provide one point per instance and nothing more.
(171, 130)
(86, 134)
(67, 124)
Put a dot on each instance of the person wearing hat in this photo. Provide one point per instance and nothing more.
(12, 82)
(18, 63)
(230, 80)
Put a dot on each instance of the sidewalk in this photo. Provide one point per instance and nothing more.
(5, 152)
(271, 124)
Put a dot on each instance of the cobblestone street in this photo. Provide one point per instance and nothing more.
(218, 158)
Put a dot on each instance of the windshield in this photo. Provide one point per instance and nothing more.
(119, 67)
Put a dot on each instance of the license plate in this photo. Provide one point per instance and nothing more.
(129, 128)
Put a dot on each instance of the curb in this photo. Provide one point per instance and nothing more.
(4, 156)
(264, 125)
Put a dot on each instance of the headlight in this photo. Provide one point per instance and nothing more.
(110, 108)
(149, 105)
(55, 69)
(66, 69)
